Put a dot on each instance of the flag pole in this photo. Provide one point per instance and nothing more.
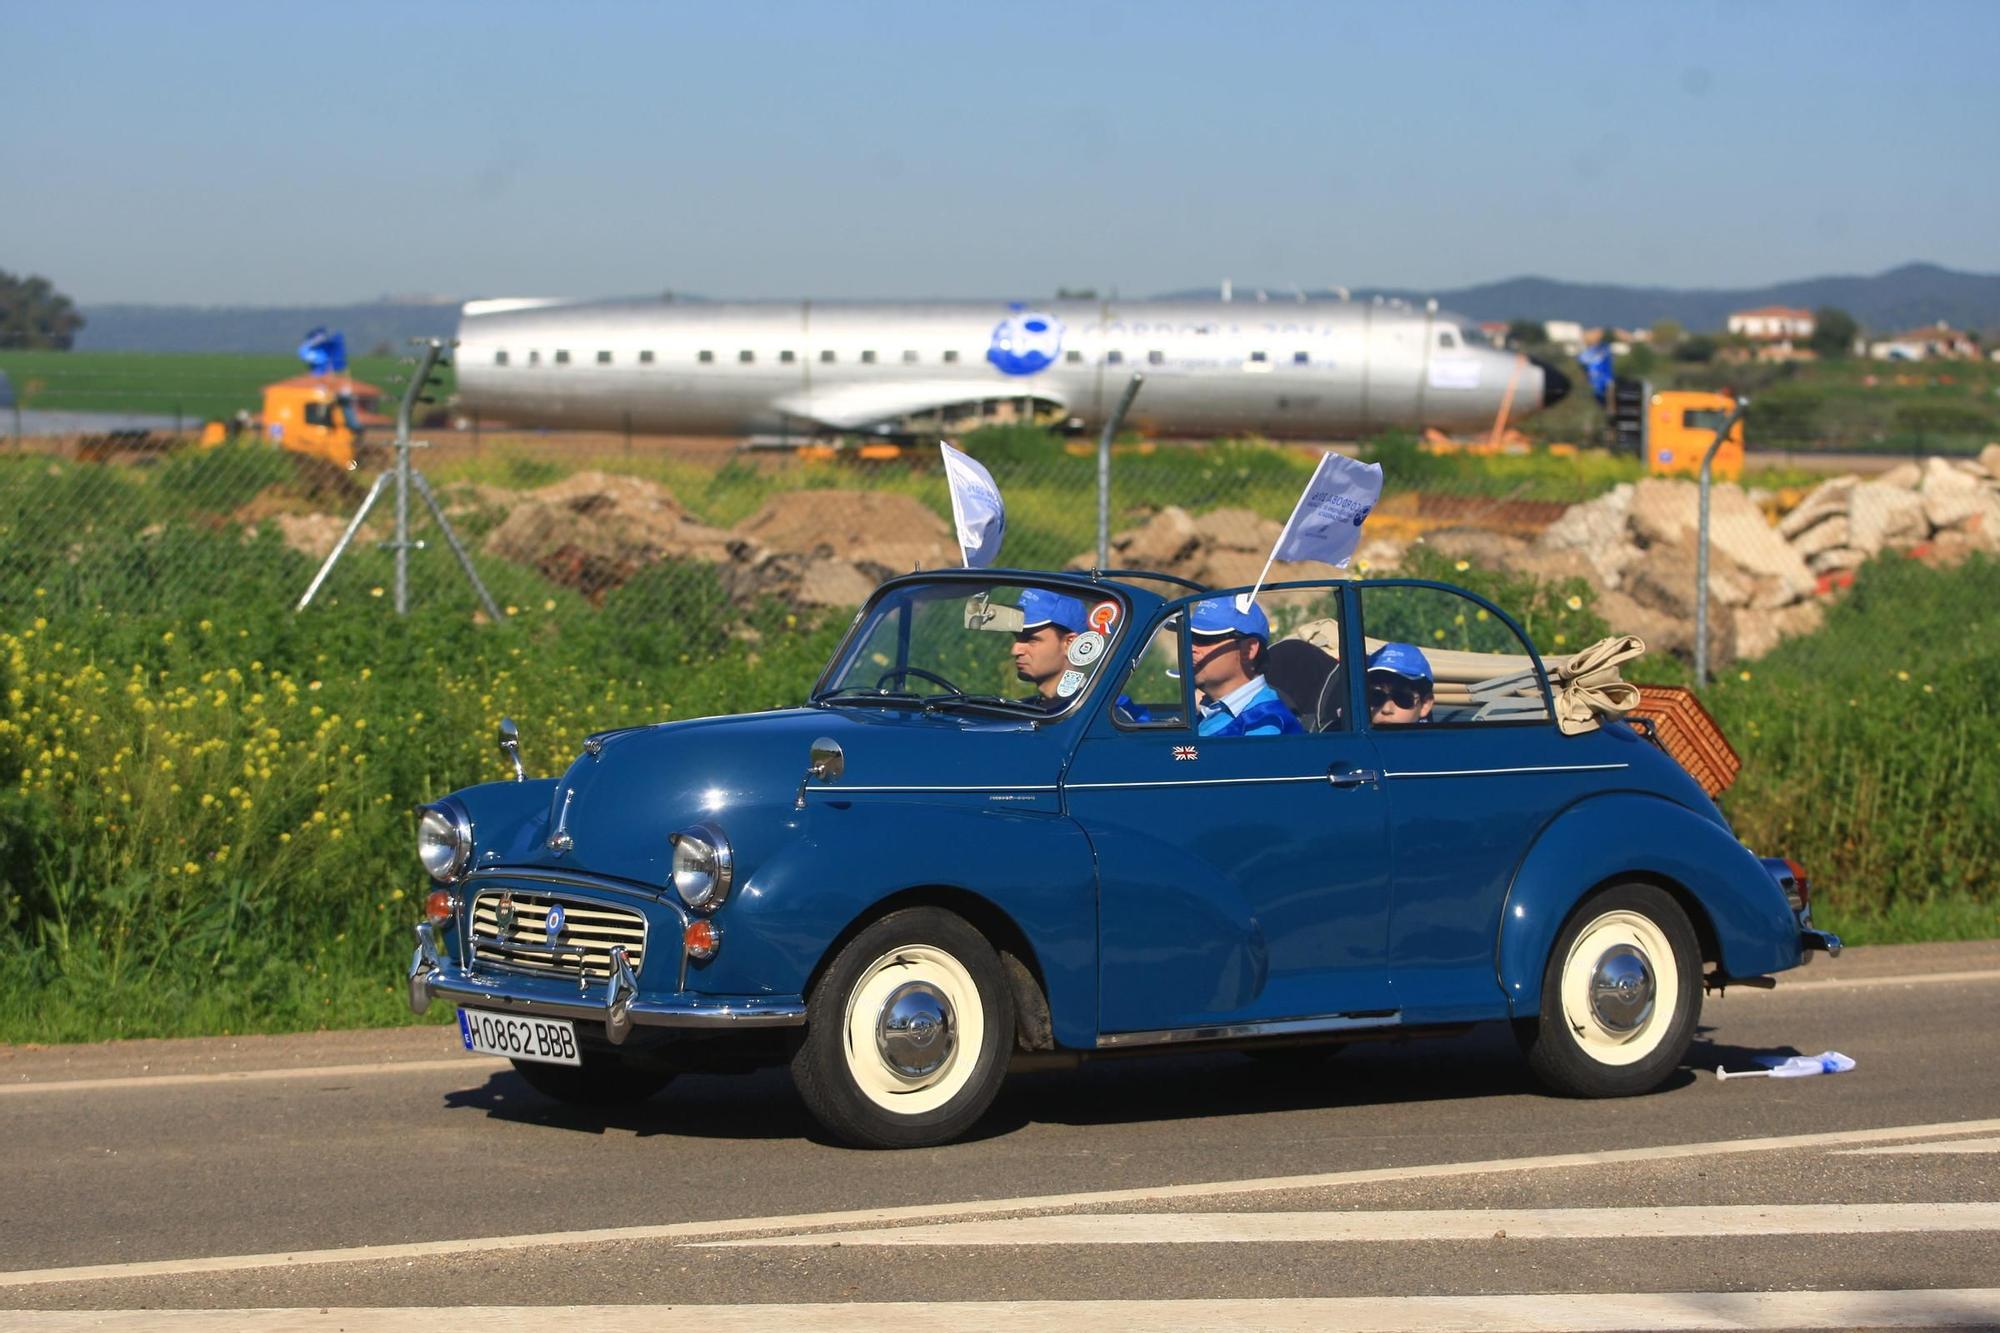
(1244, 600)
(957, 514)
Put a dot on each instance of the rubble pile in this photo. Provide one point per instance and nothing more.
(1222, 548)
(594, 530)
(1946, 507)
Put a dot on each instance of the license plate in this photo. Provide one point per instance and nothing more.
(549, 1041)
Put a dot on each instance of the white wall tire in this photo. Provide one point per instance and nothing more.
(1620, 995)
(908, 1032)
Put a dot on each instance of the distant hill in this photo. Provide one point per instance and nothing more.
(269, 329)
(1888, 302)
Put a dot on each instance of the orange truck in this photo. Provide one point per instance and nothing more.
(1672, 428)
(304, 414)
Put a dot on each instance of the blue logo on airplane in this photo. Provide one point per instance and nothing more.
(1025, 342)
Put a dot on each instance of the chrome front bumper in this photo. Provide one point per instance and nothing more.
(1818, 941)
(616, 1003)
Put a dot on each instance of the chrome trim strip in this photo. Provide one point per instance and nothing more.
(840, 791)
(1191, 782)
(1273, 1027)
(1489, 772)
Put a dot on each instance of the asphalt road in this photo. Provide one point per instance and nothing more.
(358, 1180)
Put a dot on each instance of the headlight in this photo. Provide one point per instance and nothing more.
(702, 866)
(444, 842)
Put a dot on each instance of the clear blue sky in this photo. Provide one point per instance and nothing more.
(268, 154)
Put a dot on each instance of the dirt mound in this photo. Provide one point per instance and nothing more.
(1222, 548)
(595, 530)
(879, 532)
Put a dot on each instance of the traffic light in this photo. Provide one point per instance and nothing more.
(1628, 415)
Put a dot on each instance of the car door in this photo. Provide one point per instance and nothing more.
(1241, 880)
(1469, 786)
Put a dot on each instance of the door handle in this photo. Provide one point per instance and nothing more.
(1356, 777)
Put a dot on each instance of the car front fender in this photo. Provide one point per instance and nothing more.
(844, 859)
(1633, 836)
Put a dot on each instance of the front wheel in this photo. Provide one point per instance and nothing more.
(1620, 996)
(907, 1033)
(601, 1080)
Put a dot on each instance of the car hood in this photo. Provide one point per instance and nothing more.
(611, 813)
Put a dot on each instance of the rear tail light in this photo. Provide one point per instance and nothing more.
(1798, 892)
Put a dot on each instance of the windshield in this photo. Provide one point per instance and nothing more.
(1020, 649)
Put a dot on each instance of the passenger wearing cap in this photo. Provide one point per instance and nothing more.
(1228, 651)
(1049, 623)
(1400, 690)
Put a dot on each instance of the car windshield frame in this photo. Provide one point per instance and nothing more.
(828, 692)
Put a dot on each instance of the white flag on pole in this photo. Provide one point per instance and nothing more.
(1326, 523)
(976, 509)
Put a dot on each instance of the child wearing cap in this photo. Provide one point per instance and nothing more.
(1228, 655)
(1400, 689)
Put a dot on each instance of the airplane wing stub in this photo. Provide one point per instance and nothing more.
(853, 406)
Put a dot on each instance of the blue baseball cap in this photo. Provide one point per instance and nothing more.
(1218, 618)
(1404, 659)
(1041, 607)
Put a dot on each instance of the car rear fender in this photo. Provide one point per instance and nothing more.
(1633, 836)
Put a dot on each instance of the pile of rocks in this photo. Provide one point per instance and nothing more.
(1947, 507)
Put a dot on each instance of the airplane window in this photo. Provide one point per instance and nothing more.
(909, 358)
(499, 358)
(951, 356)
(788, 357)
(1446, 338)
(1302, 358)
(746, 357)
(534, 358)
(1114, 358)
(1156, 358)
(826, 355)
(1073, 356)
(604, 358)
(646, 358)
(1258, 358)
(704, 357)
(562, 358)
(868, 358)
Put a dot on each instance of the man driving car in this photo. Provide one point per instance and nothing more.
(1050, 622)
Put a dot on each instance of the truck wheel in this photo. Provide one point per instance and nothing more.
(907, 1033)
(601, 1080)
(1620, 996)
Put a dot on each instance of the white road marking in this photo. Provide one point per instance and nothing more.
(1572, 1312)
(1417, 1224)
(469, 1063)
(1953, 1145)
(1786, 986)
(710, 1230)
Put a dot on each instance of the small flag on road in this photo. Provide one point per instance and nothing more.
(976, 508)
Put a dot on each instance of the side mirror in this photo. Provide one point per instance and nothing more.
(510, 745)
(824, 762)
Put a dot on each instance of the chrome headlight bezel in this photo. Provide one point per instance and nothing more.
(701, 867)
(444, 827)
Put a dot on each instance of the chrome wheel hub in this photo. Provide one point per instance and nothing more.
(914, 1032)
(1621, 989)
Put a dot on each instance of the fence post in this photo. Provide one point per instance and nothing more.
(1111, 425)
(1701, 546)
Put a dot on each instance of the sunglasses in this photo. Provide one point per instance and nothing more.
(1406, 696)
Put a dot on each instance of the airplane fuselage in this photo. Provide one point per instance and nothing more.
(1311, 369)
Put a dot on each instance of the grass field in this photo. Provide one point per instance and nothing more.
(204, 798)
(198, 386)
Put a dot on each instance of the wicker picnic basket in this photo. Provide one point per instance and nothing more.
(1690, 735)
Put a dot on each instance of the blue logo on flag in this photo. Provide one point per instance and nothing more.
(553, 928)
(1025, 342)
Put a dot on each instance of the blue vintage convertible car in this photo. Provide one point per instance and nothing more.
(1003, 824)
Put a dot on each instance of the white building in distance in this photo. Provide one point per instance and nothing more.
(1772, 322)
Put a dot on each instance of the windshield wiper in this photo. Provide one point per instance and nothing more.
(1000, 703)
(865, 695)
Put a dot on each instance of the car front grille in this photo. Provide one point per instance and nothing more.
(590, 930)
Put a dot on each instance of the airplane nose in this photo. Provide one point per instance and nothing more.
(1555, 384)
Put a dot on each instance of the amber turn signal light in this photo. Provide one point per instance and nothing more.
(701, 939)
(440, 906)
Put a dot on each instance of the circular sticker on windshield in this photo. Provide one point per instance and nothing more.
(1071, 682)
(1103, 616)
(1085, 648)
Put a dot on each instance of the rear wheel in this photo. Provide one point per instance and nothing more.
(907, 1033)
(1620, 995)
(601, 1080)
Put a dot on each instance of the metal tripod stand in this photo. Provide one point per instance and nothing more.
(406, 477)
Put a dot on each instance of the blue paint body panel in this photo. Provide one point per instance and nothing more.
(1153, 880)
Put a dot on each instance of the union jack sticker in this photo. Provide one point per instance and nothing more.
(1186, 752)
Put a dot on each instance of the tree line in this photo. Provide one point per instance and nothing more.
(34, 314)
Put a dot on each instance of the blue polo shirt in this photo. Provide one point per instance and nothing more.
(1251, 709)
